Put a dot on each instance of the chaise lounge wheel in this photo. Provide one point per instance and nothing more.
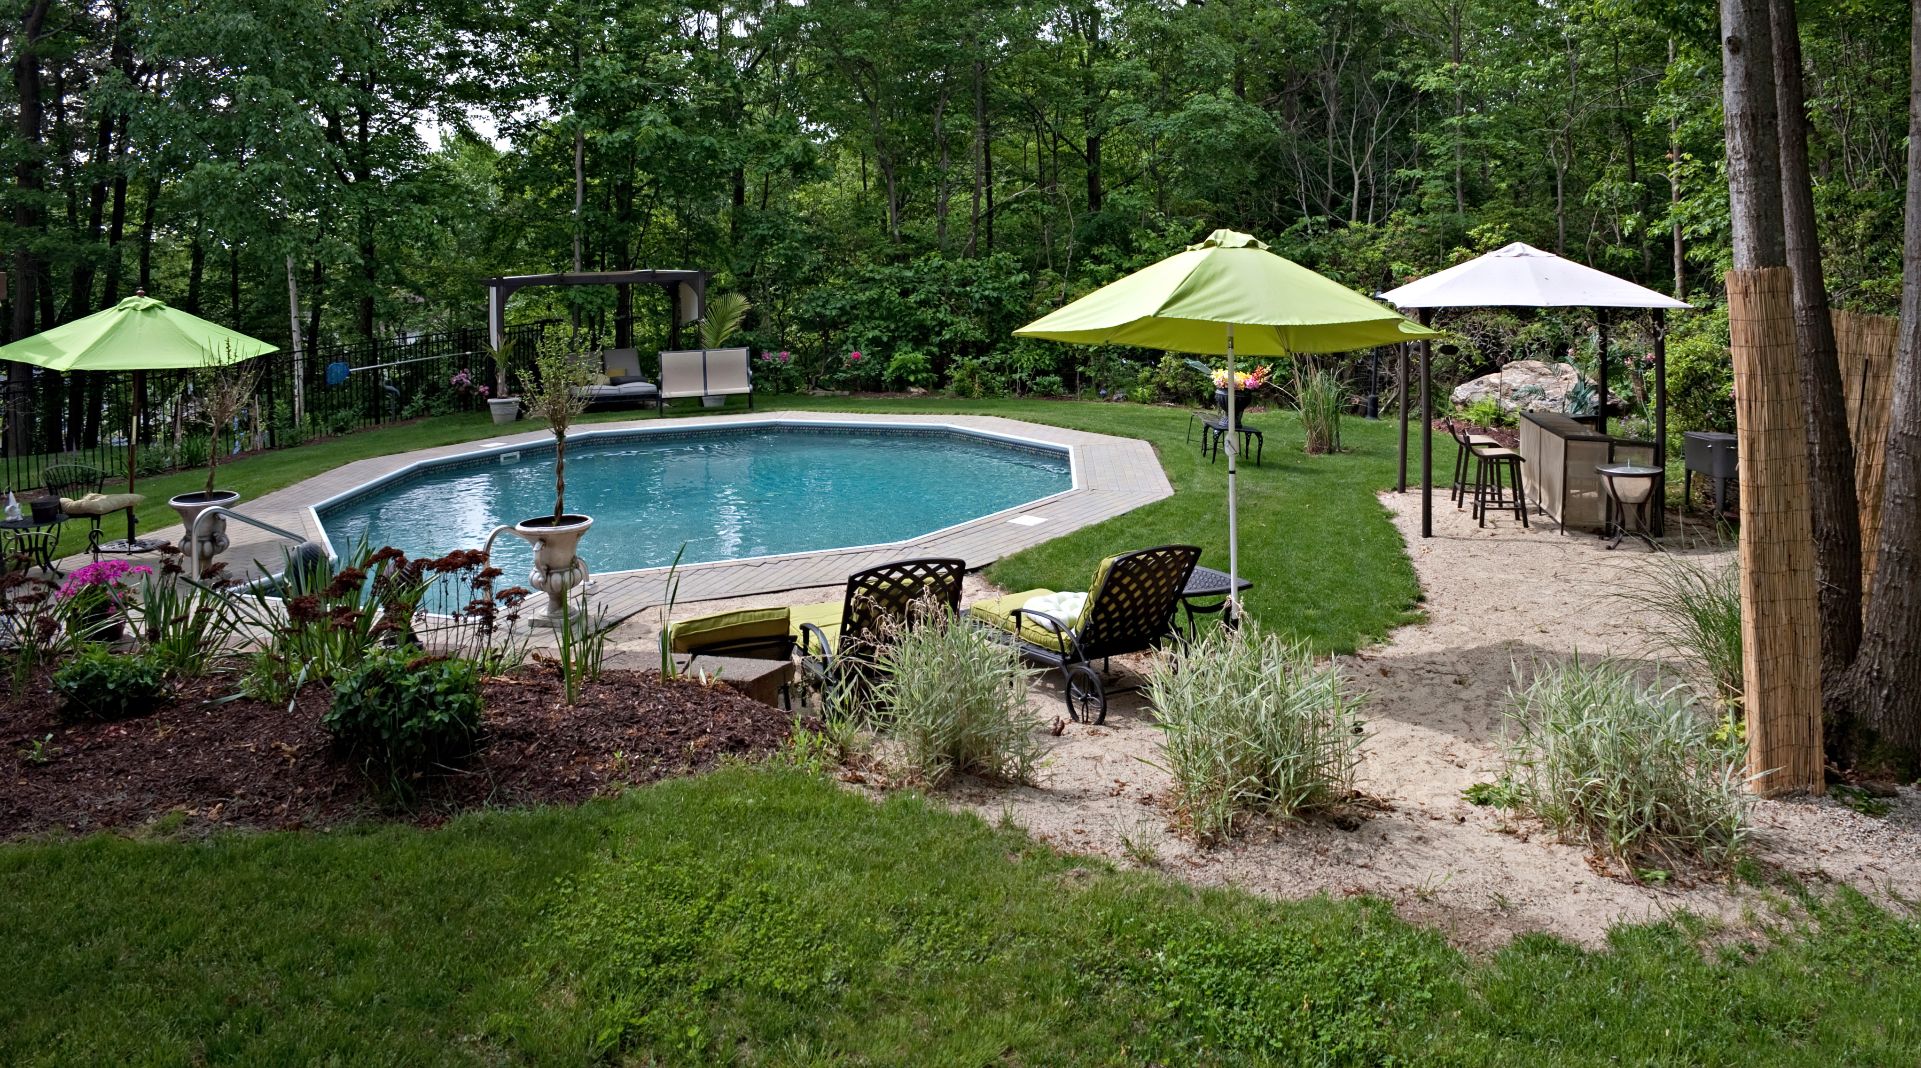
(1086, 698)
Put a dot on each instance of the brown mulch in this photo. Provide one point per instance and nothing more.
(218, 760)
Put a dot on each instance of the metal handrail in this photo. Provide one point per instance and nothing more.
(193, 532)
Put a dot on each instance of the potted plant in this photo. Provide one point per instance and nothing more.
(564, 368)
(1245, 382)
(226, 389)
(93, 600)
(502, 406)
(725, 313)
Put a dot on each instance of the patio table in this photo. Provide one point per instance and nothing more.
(1197, 597)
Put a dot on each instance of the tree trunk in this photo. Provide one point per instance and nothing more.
(1835, 513)
(1882, 686)
(26, 211)
(1753, 152)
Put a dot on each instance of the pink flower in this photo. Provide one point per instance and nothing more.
(853, 357)
(783, 356)
(107, 573)
(484, 391)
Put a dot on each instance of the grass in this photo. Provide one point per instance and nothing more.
(769, 917)
(1327, 565)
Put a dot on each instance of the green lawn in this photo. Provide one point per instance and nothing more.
(769, 917)
(1326, 563)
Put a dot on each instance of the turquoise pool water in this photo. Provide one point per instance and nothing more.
(726, 495)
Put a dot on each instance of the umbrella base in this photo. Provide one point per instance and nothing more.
(131, 548)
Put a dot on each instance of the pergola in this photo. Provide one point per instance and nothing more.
(1522, 276)
(687, 289)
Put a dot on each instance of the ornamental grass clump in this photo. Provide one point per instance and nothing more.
(1255, 727)
(1635, 771)
(1697, 612)
(1320, 395)
(955, 701)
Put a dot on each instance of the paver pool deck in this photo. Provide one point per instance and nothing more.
(1112, 475)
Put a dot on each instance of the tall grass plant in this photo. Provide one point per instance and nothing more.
(1255, 726)
(955, 701)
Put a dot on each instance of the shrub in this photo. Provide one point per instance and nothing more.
(1700, 373)
(956, 701)
(1636, 772)
(402, 710)
(1697, 611)
(1321, 395)
(1048, 385)
(1176, 380)
(183, 624)
(97, 683)
(1255, 727)
(910, 370)
(333, 613)
(1487, 412)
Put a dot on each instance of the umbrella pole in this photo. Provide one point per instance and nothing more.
(133, 442)
(1233, 517)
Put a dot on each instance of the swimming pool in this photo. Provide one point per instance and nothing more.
(726, 494)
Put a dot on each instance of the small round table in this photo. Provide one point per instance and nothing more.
(34, 539)
(1633, 491)
(1206, 583)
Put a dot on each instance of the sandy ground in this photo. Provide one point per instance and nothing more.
(1494, 597)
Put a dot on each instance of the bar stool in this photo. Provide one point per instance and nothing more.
(1465, 443)
(1490, 464)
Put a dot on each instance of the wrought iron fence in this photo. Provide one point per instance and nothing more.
(83, 417)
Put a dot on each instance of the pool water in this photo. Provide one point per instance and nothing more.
(725, 495)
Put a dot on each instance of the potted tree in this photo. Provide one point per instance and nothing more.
(504, 407)
(725, 313)
(564, 369)
(225, 391)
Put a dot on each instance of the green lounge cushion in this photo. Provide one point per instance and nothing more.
(825, 615)
(741, 625)
(101, 503)
(999, 614)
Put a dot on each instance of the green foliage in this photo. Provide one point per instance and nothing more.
(1631, 770)
(1174, 380)
(403, 711)
(99, 684)
(1485, 412)
(1700, 373)
(1254, 727)
(564, 366)
(185, 626)
(955, 701)
(910, 370)
(581, 646)
(726, 312)
(330, 616)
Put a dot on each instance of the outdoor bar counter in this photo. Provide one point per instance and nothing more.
(1560, 456)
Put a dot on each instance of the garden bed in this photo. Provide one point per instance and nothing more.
(218, 760)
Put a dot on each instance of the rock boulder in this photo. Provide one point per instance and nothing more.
(1522, 386)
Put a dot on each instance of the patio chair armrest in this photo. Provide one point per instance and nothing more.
(1060, 629)
(821, 663)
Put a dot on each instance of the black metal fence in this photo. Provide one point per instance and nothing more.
(84, 417)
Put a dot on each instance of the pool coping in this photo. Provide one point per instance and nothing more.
(1111, 476)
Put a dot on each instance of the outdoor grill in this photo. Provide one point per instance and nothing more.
(1714, 457)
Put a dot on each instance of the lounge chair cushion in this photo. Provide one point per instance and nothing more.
(726, 627)
(999, 614)
(101, 503)
(825, 615)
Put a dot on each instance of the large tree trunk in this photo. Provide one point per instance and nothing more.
(1779, 614)
(26, 211)
(1883, 689)
(1832, 505)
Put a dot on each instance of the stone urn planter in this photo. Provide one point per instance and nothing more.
(212, 539)
(558, 568)
(1240, 403)
(503, 409)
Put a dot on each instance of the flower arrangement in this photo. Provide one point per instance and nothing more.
(464, 386)
(1255, 379)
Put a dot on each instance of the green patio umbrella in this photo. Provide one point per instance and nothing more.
(1224, 296)
(139, 334)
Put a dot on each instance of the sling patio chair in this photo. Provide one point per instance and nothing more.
(710, 374)
(1128, 608)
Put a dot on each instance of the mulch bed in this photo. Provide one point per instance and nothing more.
(220, 761)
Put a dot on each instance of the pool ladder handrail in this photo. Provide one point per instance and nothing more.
(193, 533)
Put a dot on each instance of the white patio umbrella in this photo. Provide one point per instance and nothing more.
(1522, 276)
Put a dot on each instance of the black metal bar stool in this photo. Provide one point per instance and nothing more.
(1465, 443)
(1490, 465)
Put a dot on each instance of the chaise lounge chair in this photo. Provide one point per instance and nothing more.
(78, 489)
(621, 381)
(1129, 608)
(835, 640)
(705, 373)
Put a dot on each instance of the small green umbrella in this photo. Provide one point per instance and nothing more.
(139, 334)
(1227, 294)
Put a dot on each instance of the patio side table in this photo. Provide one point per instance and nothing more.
(1197, 597)
(1633, 492)
(35, 539)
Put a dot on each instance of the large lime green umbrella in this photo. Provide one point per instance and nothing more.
(1224, 296)
(139, 334)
